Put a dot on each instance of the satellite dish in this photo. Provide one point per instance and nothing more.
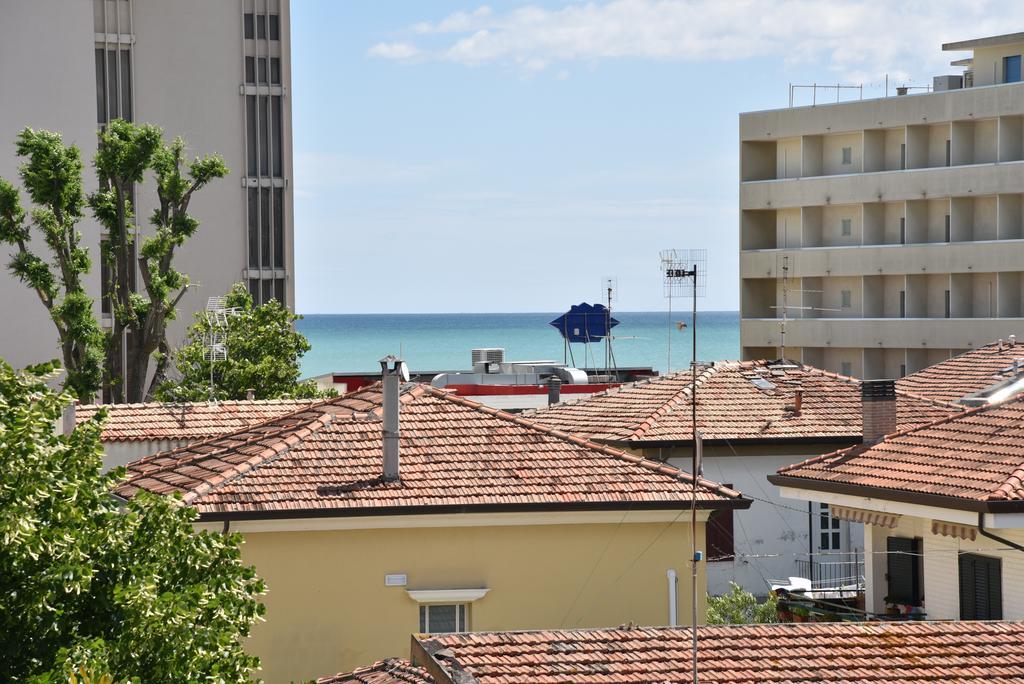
(403, 371)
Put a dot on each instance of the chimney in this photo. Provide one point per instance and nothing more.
(1013, 341)
(554, 390)
(798, 400)
(250, 394)
(393, 372)
(68, 418)
(878, 409)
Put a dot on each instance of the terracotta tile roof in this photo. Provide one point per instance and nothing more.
(391, 671)
(736, 401)
(185, 421)
(905, 653)
(971, 457)
(964, 374)
(455, 453)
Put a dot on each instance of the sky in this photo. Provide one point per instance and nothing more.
(467, 157)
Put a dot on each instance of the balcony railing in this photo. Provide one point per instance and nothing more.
(842, 575)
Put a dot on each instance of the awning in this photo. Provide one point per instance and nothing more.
(953, 530)
(864, 516)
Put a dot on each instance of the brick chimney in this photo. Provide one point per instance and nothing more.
(878, 409)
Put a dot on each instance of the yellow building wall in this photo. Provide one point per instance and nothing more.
(329, 611)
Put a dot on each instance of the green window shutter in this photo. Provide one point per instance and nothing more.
(903, 570)
(981, 587)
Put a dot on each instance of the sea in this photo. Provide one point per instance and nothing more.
(434, 342)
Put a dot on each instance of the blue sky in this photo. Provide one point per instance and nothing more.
(461, 157)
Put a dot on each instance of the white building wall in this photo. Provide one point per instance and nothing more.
(979, 190)
(772, 534)
(941, 568)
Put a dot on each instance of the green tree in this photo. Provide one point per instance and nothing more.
(52, 175)
(92, 583)
(126, 150)
(264, 350)
(739, 607)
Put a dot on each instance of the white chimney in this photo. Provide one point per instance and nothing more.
(68, 418)
(393, 372)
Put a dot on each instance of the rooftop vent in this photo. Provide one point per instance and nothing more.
(947, 82)
(488, 360)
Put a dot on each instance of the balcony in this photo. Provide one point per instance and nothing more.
(879, 333)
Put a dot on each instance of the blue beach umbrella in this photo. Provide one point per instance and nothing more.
(585, 323)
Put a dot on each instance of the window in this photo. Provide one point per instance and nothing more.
(254, 230)
(845, 368)
(948, 233)
(949, 153)
(278, 132)
(250, 129)
(266, 227)
(947, 303)
(847, 155)
(828, 525)
(903, 571)
(719, 535)
(263, 129)
(903, 156)
(846, 227)
(260, 21)
(279, 229)
(1011, 69)
(903, 303)
(981, 587)
(104, 277)
(903, 370)
(440, 618)
(258, 66)
(113, 85)
(846, 297)
(903, 230)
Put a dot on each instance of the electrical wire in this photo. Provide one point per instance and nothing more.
(593, 569)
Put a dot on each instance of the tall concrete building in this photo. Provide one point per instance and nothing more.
(216, 73)
(888, 233)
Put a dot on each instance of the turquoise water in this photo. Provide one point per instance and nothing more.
(354, 342)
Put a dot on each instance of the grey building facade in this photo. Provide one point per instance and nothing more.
(216, 73)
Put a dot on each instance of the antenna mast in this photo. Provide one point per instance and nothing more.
(610, 287)
(217, 314)
(685, 272)
(782, 267)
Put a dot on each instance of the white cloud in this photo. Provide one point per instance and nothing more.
(855, 38)
(397, 51)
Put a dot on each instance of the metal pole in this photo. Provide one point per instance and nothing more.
(669, 369)
(693, 498)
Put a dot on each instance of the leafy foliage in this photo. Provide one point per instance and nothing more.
(740, 607)
(52, 175)
(88, 584)
(264, 350)
(126, 150)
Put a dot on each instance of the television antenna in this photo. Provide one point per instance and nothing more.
(609, 292)
(782, 267)
(215, 339)
(685, 272)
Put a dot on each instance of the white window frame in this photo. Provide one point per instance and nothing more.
(462, 617)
